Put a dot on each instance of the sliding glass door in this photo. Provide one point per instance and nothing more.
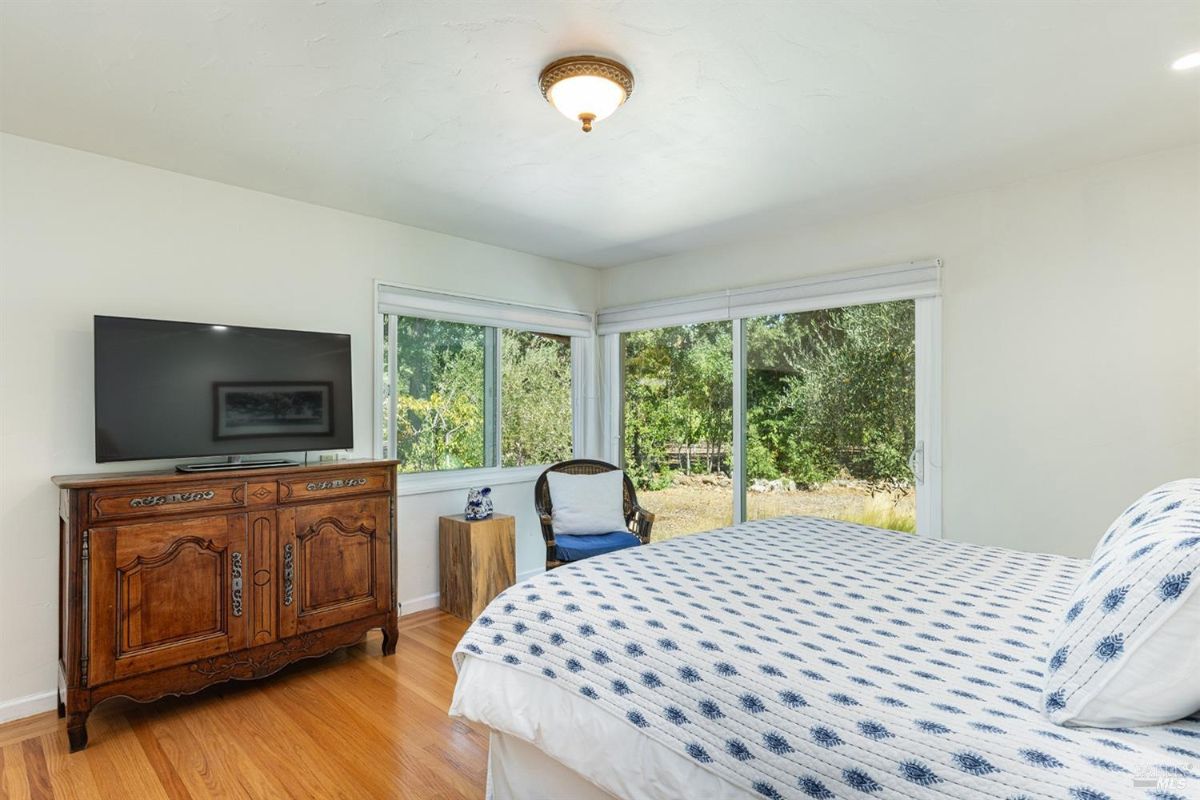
(678, 424)
(831, 414)
(824, 412)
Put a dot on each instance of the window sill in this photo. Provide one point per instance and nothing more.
(458, 480)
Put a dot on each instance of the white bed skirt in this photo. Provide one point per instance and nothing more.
(519, 771)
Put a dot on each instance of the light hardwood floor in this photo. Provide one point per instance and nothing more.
(353, 724)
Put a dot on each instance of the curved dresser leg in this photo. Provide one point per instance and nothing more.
(62, 707)
(390, 636)
(77, 731)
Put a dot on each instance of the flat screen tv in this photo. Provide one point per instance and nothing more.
(184, 389)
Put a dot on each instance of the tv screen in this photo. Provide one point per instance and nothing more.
(183, 389)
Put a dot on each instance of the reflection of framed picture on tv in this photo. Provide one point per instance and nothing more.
(272, 408)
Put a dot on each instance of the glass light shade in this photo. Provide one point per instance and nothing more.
(587, 98)
(1190, 61)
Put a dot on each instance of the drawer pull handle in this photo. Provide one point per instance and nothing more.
(237, 584)
(340, 483)
(167, 499)
(288, 574)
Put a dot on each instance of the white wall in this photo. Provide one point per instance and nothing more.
(1071, 374)
(1071, 336)
(83, 235)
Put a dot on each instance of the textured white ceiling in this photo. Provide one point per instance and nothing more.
(744, 115)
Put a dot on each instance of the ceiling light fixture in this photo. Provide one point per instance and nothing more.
(1190, 61)
(586, 88)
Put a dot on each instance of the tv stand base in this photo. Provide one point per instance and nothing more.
(217, 466)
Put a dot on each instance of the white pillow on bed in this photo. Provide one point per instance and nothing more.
(1128, 650)
(586, 504)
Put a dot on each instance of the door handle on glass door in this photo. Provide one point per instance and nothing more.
(916, 463)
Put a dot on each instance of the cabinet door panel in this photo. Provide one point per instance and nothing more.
(165, 593)
(172, 597)
(336, 555)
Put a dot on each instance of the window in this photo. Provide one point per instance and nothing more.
(440, 409)
(678, 417)
(535, 404)
(831, 414)
(818, 397)
(830, 418)
(473, 384)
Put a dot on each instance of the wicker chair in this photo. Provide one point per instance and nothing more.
(637, 519)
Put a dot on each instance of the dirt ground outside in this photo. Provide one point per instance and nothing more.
(700, 503)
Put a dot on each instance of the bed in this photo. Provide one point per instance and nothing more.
(795, 658)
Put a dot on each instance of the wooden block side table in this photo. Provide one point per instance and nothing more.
(478, 561)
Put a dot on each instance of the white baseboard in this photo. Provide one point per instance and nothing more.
(428, 601)
(526, 575)
(423, 603)
(28, 705)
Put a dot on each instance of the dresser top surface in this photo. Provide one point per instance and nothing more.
(94, 480)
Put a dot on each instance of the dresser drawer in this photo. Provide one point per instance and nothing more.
(176, 498)
(334, 484)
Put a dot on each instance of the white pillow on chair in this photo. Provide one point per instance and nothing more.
(587, 504)
(1128, 649)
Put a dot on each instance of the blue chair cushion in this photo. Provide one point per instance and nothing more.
(573, 547)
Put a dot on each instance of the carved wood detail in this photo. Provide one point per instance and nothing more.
(362, 529)
(356, 582)
(167, 598)
(170, 554)
(154, 501)
(161, 593)
(262, 493)
(131, 595)
(352, 534)
(256, 662)
(328, 486)
(263, 606)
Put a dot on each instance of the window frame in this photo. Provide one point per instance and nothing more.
(494, 316)
(919, 281)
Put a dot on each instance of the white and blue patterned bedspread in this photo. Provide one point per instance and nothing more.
(801, 657)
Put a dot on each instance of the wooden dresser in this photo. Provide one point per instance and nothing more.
(170, 582)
